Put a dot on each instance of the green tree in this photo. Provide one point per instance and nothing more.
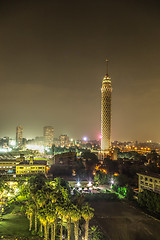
(52, 219)
(76, 216)
(101, 178)
(96, 234)
(42, 215)
(35, 183)
(129, 193)
(29, 212)
(68, 214)
(61, 213)
(87, 214)
(91, 160)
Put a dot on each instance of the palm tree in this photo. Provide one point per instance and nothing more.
(61, 213)
(52, 219)
(42, 215)
(87, 214)
(29, 213)
(36, 183)
(76, 216)
(68, 213)
(95, 233)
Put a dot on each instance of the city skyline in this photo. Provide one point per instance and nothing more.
(53, 59)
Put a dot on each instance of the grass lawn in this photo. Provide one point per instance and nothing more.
(15, 226)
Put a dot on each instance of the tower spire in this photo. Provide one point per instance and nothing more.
(107, 66)
(106, 95)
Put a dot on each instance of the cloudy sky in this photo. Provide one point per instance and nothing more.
(52, 62)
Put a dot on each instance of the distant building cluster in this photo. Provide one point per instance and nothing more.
(140, 147)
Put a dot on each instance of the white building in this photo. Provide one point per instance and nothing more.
(149, 181)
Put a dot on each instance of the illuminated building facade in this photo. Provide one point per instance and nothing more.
(48, 133)
(19, 135)
(148, 181)
(8, 166)
(106, 94)
(31, 167)
(64, 140)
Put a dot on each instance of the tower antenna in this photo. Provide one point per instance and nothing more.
(107, 66)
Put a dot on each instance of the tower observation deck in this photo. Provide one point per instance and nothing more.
(106, 94)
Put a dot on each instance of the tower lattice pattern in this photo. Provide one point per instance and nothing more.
(106, 93)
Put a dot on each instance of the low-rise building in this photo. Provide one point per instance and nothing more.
(67, 159)
(149, 181)
(7, 165)
(31, 167)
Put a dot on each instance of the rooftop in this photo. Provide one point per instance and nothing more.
(154, 175)
(7, 160)
(35, 162)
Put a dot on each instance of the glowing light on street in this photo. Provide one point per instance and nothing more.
(89, 184)
(112, 182)
(78, 184)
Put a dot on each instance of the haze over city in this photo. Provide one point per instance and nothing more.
(53, 62)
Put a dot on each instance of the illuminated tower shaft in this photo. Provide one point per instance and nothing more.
(106, 94)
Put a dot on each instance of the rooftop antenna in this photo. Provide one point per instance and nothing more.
(107, 66)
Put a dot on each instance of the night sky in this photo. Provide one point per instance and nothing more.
(52, 62)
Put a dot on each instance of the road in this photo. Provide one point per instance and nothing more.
(120, 221)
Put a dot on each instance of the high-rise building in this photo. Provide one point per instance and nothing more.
(64, 140)
(48, 133)
(19, 135)
(106, 93)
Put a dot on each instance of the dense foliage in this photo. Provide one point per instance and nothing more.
(101, 178)
(53, 208)
(126, 191)
(150, 201)
(96, 234)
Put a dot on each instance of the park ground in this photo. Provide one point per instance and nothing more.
(14, 226)
(121, 221)
(117, 219)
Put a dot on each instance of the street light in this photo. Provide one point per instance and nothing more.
(89, 184)
(112, 182)
(78, 184)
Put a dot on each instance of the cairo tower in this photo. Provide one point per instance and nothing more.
(106, 94)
